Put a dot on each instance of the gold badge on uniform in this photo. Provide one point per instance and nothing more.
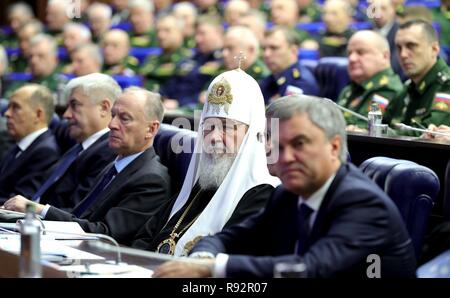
(281, 81)
(422, 86)
(295, 73)
(221, 95)
(369, 85)
(384, 80)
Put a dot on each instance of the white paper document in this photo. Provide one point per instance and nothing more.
(49, 248)
(107, 271)
(58, 230)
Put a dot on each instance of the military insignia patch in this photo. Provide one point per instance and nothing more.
(220, 95)
(384, 80)
(369, 85)
(281, 81)
(422, 86)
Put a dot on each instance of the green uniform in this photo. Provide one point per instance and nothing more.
(189, 42)
(9, 40)
(55, 82)
(442, 16)
(334, 44)
(127, 67)
(425, 103)
(145, 40)
(381, 88)
(157, 69)
(302, 34)
(18, 63)
(311, 13)
(258, 70)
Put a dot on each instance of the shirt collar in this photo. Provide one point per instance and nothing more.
(26, 141)
(386, 28)
(93, 138)
(315, 200)
(123, 162)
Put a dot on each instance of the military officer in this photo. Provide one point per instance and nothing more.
(157, 69)
(287, 75)
(372, 78)
(193, 74)
(309, 11)
(43, 63)
(18, 14)
(19, 61)
(337, 18)
(141, 17)
(426, 99)
(115, 47)
(286, 13)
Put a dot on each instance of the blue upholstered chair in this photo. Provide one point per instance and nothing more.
(412, 187)
(332, 76)
(447, 192)
(175, 147)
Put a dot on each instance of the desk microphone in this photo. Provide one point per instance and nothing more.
(357, 115)
(403, 126)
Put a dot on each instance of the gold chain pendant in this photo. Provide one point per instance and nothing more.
(167, 246)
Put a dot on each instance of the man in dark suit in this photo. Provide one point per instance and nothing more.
(29, 112)
(88, 113)
(326, 215)
(130, 190)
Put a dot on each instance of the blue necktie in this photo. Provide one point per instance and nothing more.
(10, 158)
(93, 195)
(303, 227)
(61, 168)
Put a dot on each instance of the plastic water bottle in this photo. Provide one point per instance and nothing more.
(30, 246)
(375, 118)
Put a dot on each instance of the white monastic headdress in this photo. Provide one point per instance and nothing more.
(232, 95)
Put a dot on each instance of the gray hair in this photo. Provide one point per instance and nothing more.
(185, 4)
(41, 96)
(3, 61)
(41, 37)
(93, 50)
(23, 7)
(322, 112)
(82, 29)
(96, 86)
(104, 9)
(153, 104)
(143, 4)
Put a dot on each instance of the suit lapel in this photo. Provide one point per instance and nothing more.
(319, 222)
(118, 181)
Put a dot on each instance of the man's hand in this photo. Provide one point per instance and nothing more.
(442, 129)
(196, 268)
(19, 203)
(354, 128)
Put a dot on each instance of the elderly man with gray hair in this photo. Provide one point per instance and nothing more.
(327, 215)
(130, 190)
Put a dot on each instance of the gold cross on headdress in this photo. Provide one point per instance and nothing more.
(239, 58)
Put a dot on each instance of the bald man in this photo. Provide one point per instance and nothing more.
(242, 39)
(30, 110)
(115, 46)
(372, 78)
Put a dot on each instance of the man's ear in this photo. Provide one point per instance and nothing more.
(105, 107)
(336, 146)
(152, 129)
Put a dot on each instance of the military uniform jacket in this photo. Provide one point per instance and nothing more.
(157, 69)
(191, 75)
(334, 45)
(128, 67)
(425, 103)
(296, 79)
(145, 40)
(381, 89)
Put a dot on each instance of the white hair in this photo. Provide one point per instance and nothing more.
(41, 37)
(104, 9)
(143, 4)
(82, 29)
(96, 86)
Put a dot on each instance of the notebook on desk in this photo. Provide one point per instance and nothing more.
(10, 216)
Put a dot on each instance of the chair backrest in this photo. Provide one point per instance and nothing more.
(332, 76)
(447, 191)
(175, 147)
(412, 187)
